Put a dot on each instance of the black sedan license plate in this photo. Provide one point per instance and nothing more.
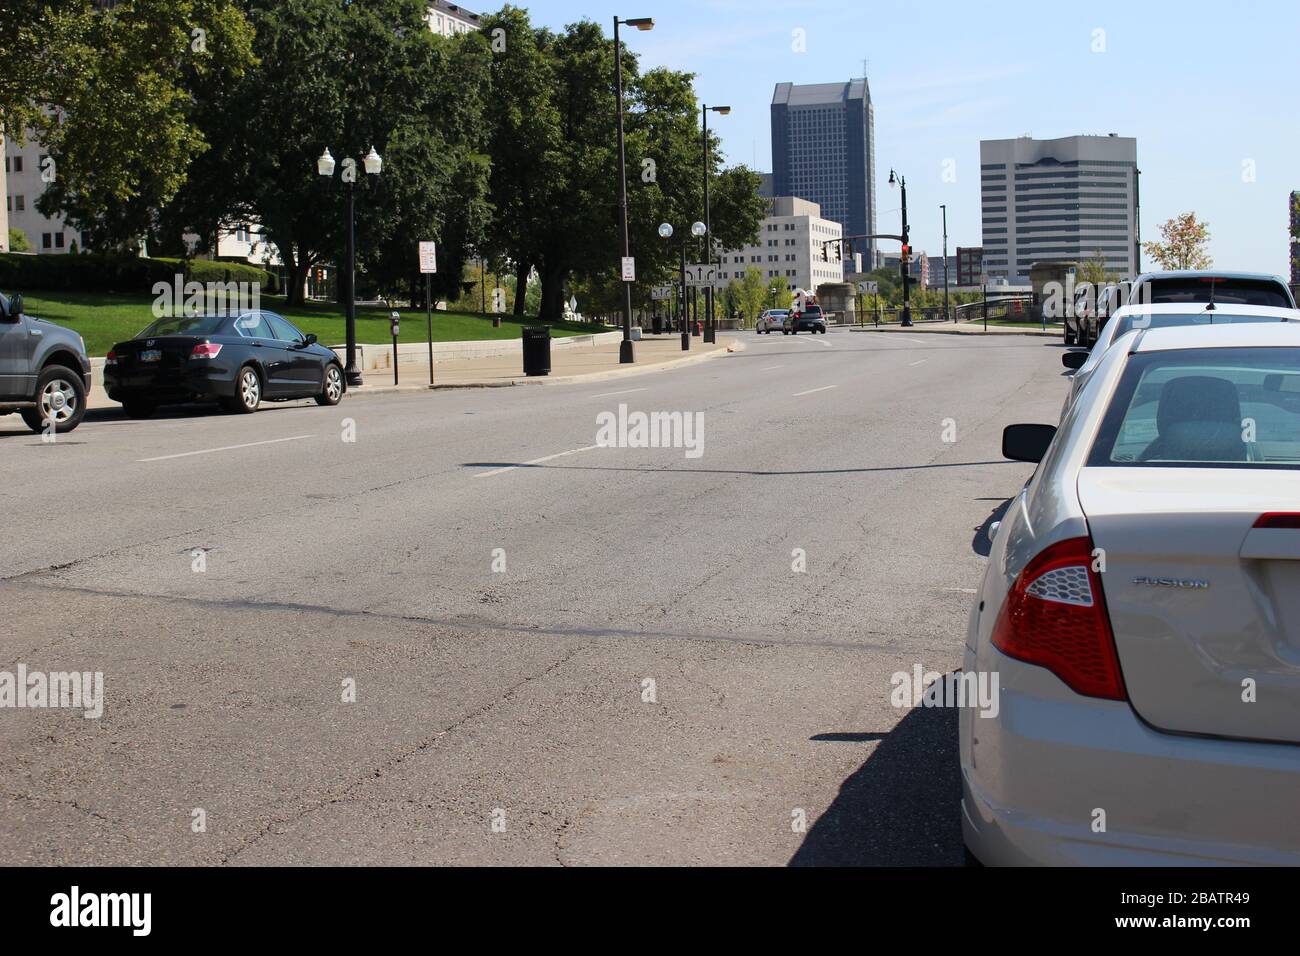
(150, 355)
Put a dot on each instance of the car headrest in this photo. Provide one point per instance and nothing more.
(1198, 398)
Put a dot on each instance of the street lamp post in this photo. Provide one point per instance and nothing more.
(642, 23)
(944, 207)
(710, 330)
(698, 230)
(903, 260)
(325, 168)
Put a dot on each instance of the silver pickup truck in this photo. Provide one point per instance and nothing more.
(44, 370)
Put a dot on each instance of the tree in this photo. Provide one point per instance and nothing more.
(752, 293)
(18, 240)
(350, 76)
(779, 294)
(109, 94)
(554, 184)
(1094, 272)
(1184, 239)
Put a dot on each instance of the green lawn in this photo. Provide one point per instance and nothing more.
(104, 319)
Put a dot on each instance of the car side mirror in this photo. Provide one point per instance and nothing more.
(1027, 442)
(1074, 360)
(310, 339)
(15, 308)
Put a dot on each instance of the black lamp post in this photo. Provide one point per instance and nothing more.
(904, 259)
(710, 329)
(698, 229)
(325, 167)
(642, 23)
(944, 207)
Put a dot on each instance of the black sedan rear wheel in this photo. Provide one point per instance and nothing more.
(248, 392)
(332, 391)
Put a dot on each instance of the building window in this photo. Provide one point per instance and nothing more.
(47, 241)
(20, 203)
(18, 164)
(58, 240)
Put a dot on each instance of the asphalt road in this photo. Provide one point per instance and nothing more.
(227, 594)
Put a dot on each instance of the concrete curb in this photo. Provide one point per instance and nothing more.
(729, 347)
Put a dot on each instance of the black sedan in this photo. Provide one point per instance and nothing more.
(811, 319)
(237, 360)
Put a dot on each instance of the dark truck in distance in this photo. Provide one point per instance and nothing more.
(44, 370)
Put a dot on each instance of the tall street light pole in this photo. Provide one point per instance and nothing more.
(904, 259)
(710, 329)
(944, 207)
(325, 168)
(643, 23)
(698, 229)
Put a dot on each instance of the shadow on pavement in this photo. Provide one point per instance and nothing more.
(900, 808)
(982, 543)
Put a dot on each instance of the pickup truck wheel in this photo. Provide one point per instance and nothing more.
(60, 398)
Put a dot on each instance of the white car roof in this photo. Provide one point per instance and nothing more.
(1234, 335)
(1199, 308)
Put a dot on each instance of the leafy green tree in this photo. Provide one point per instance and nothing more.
(779, 295)
(110, 93)
(18, 241)
(554, 182)
(349, 76)
(753, 293)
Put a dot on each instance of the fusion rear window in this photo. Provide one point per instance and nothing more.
(1198, 408)
(1218, 317)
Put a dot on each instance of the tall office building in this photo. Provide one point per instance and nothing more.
(824, 151)
(1059, 199)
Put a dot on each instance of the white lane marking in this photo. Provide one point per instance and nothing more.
(960, 590)
(628, 391)
(813, 342)
(535, 461)
(771, 368)
(915, 364)
(212, 451)
(812, 391)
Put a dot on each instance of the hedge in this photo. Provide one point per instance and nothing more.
(91, 272)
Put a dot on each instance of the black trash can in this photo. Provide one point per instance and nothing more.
(537, 350)
(659, 325)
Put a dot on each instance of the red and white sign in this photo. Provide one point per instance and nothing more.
(629, 269)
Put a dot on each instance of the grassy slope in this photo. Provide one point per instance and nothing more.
(105, 319)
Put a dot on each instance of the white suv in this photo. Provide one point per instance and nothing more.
(770, 321)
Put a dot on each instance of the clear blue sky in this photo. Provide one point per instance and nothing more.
(1205, 88)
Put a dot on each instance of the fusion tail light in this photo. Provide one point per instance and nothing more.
(110, 358)
(205, 350)
(1278, 519)
(1055, 616)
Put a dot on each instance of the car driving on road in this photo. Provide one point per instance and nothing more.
(237, 360)
(1141, 608)
(44, 370)
(769, 320)
(1131, 318)
(808, 319)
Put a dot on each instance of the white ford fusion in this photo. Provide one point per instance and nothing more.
(1141, 607)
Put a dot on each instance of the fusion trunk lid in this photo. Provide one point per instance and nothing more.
(1204, 604)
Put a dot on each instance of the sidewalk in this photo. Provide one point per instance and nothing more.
(959, 328)
(591, 362)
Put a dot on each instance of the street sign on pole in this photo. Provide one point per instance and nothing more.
(661, 292)
(629, 269)
(428, 257)
(868, 288)
(699, 276)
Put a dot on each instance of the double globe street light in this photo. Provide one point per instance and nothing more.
(698, 230)
(643, 24)
(325, 167)
(710, 328)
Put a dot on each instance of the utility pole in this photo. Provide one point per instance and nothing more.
(944, 207)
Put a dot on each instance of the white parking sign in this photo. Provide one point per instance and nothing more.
(428, 257)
